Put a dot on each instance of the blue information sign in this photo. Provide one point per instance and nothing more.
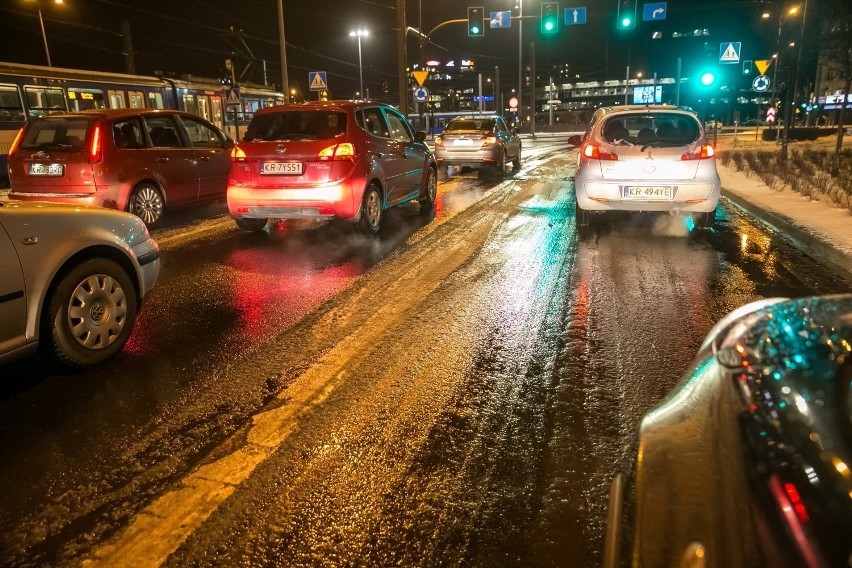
(575, 16)
(501, 19)
(654, 11)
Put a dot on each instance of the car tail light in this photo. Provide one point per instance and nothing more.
(439, 141)
(15, 143)
(345, 151)
(96, 146)
(595, 152)
(701, 153)
(489, 141)
(237, 154)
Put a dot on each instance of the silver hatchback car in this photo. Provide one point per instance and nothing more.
(484, 142)
(646, 158)
(72, 278)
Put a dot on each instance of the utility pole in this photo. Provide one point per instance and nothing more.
(401, 28)
(532, 90)
(129, 64)
(285, 84)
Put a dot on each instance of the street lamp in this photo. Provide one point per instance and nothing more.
(43, 34)
(359, 34)
(782, 16)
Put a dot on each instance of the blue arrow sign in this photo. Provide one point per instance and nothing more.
(501, 19)
(575, 16)
(654, 11)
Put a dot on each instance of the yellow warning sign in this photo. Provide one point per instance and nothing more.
(762, 65)
(420, 76)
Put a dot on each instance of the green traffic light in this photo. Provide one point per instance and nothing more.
(548, 26)
(474, 30)
(625, 23)
(550, 18)
(707, 79)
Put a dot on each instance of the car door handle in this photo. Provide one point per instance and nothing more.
(163, 159)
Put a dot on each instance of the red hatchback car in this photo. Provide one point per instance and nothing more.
(136, 160)
(326, 160)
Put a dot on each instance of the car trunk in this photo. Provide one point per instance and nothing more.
(464, 140)
(53, 157)
(652, 163)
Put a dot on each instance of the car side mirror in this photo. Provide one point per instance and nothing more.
(575, 140)
(229, 143)
(420, 136)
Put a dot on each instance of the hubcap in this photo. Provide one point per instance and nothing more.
(97, 312)
(373, 209)
(148, 205)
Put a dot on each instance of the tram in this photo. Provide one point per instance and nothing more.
(31, 90)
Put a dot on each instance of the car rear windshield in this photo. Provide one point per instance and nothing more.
(56, 134)
(470, 124)
(659, 129)
(297, 125)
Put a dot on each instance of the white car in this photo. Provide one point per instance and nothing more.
(646, 158)
(72, 278)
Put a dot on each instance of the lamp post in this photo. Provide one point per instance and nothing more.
(782, 16)
(43, 34)
(359, 34)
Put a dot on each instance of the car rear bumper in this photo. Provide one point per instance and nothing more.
(686, 198)
(318, 202)
(110, 197)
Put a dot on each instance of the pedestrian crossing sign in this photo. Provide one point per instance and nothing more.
(232, 97)
(729, 52)
(317, 81)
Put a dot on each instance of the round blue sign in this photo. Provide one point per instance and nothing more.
(421, 94)
(760, 83)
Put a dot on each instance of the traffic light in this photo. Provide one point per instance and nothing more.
(626, 14)
(708, 77)
(476, 21)
(747, 64)
(549, 18)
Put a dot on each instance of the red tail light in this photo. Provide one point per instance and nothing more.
(237, 154)
(490, 141)
(345, 151)
(702, 153)
(593, 151)
(439, 141)
(96, 146)
(15, 142)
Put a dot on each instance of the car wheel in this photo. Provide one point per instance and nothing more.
(371, 211)
(91, 313)
(500, 167)
(427, 202)
(516, 163)
(250, 225)
(147, 203)
(705, 220)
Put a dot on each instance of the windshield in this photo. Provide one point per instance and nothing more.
(470, 125)
(296, 125)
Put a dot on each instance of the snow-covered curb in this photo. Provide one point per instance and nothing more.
(819, 225)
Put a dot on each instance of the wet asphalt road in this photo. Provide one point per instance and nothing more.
(459, 392)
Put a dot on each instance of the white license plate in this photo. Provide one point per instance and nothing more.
(463, 142)
(650, 192)
(47, 170)
(285, 168)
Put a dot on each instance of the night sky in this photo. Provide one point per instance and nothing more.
(193, 36)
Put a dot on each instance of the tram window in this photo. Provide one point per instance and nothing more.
(45, 100)
(216, 109)
(155, 100)
(85, 99)
(116, 99)
(137, 99)
(201, 135)
(11, 108)
(189, 104)
(204, 107)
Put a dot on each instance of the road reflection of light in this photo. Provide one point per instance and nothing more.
(268, 291)
(757, 246)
